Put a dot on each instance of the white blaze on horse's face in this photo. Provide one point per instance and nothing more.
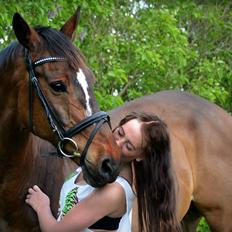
(83, 83)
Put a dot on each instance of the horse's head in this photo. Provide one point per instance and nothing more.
(56, 100)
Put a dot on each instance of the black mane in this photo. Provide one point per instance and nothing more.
(59, 45)
(56, 43)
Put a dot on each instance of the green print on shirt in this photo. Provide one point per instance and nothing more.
(70, 200)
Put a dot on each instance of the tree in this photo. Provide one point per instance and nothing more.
(140, 47)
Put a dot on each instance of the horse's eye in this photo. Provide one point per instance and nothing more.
(58, 86)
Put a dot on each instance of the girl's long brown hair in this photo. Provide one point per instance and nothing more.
(154, 176)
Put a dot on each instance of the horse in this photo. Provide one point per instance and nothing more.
(201, 145)
(201, 157)
(46, 91)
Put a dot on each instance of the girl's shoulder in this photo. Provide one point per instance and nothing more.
(116, 191)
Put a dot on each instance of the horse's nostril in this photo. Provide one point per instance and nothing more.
(109, 169)
(106, 166)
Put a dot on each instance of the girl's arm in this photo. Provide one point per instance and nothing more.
(108, 200)
(40, 202)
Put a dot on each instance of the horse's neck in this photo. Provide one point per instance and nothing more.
(24, 167)
(13, 153)
(16, 156)
(12, 85)
(13, 137)
(52, 170)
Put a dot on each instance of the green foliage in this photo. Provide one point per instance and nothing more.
(203, 226)
(209, 29)
(141, 50)
(140, 47)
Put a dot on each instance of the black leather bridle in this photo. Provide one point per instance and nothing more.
(65, 136)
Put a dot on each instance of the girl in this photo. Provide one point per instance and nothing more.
(144, 142)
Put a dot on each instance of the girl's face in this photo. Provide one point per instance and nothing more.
(129, 138)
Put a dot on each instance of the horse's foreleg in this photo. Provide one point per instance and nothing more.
(183, 176)
(191, 219)
(134, 221)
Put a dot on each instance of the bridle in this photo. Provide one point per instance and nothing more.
(65, 136)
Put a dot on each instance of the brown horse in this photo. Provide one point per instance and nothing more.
(46, 88)
(201, 144)
(201, 154)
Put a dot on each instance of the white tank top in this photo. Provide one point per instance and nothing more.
(71, 193)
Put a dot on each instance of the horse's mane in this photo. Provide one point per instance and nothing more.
(56, 43)
(7, 54)
(59, 45)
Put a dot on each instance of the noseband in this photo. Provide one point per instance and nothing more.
(65, 136)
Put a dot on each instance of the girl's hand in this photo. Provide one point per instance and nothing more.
(38, 200)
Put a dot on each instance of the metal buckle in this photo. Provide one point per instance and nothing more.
(64, 142)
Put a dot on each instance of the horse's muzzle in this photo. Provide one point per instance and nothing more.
(106, 171)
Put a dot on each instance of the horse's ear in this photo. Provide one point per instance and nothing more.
(25, 34)
(70, 26)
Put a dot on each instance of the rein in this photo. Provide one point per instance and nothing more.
(65, 136)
